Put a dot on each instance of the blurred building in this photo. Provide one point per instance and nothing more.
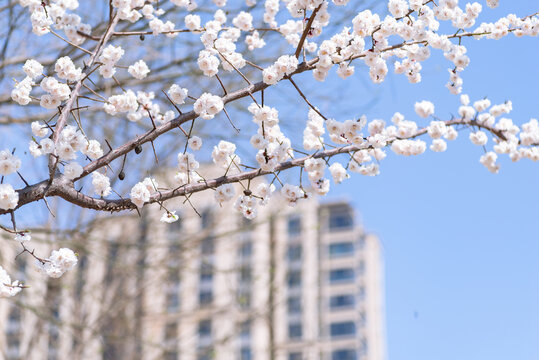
(295, 283)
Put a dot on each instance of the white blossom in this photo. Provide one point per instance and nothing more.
(438, 145)
(177, 94)
(437, 129)
(243, 21)
(32, 68)
(489, 161)
(292, 194)
(478, 138)
(58, 263)
(7, 287)
(101, 184)
(72, 170)
(169, 217)
(93, 149)
(192, 22)
(9, 163)
(23, 237)
(140, 194)
(208, 105)
(338, 172)
(224, 193)
(66, 69)
(8, 197)
(39, 130)
(139, 70)
(493, 3)
(194, 143)
(424, 108)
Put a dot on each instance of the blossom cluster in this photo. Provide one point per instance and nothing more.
(220, 44)
(109, 57)
(70, 141)
(9, 164)
(54, 91)
(272, 145)
(141, 192)
(247, 203)
(56, 13)
(58, 263)
(224, 156)
(208, 105)
(285, 65)
(8, 288)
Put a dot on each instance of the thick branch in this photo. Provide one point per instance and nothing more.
(64, 188)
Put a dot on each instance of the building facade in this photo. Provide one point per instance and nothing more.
(295, 283)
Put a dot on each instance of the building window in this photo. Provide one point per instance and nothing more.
(338, 302)
(113, 250)
(341, 249)
(344, 354)
(245, 274)
(244, 298)
(294, 278)
(295, 356)
(79, 285)
(171, 341)
(294, 305)
(13, 329)
(206, 272)
(340, 218)
(341, 275)
(172, 292)
(207, 246)
(205, 297)
(206, 220)
(20, 270)
(172, 302)
(14, 321)
(171, 355)
(294, 253)
(53, 299)
(204, 329)
(171, 331)
(205, 353)
(174, 252)
(246, 249)
(245, 353)
(245, 340)
(346, 328)
(245, 331)
(294, 331)
(294, 225)
(13, 343)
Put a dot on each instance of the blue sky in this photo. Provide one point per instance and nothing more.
(461, 244)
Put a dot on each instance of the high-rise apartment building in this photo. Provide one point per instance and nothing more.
(295, 283)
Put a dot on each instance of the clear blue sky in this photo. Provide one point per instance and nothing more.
(461, 244)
